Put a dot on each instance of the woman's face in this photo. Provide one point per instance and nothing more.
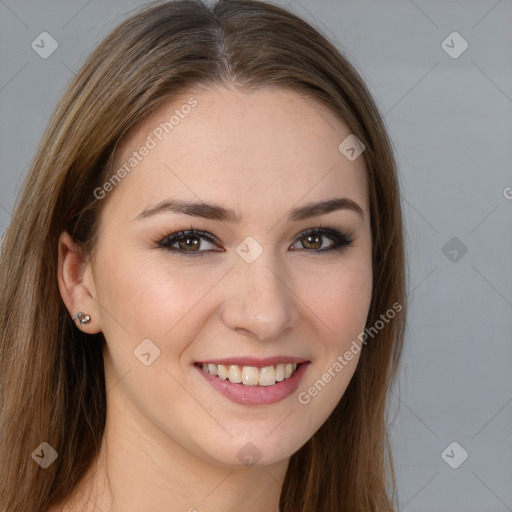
(253, 289)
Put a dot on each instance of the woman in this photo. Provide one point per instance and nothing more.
(203, 281)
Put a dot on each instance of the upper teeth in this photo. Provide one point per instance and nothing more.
(251, 375)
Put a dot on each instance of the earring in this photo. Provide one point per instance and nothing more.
(82, 319)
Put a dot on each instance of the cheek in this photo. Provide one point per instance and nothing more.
(349, 301)
(341, 305)
(341, 299)
(341, 308)
(151, 297)
(156, 297)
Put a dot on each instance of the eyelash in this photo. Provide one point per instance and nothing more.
(340, 240)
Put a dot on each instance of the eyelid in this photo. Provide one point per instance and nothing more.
(176, 236)
(340, 238)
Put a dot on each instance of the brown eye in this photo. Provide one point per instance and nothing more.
(192, 242)
(312, 242)
(316, 240)
(189, 242)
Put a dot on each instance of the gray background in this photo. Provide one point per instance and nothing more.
(449, 119)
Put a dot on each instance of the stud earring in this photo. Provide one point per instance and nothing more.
(82, 319)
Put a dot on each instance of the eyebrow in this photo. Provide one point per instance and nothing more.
(216, 212)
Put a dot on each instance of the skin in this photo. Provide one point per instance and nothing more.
(172, 439)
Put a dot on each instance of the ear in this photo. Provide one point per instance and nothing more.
(76, 283)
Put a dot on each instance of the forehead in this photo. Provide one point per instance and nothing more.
(272, 144)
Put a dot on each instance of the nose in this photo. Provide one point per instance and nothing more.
(261, 302)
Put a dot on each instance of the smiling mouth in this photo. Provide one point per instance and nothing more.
(251, 375)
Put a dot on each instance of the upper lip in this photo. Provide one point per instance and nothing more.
(254, 361)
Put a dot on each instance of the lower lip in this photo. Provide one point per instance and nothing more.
(256, 395)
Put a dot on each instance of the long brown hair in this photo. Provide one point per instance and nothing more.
(51, 374)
